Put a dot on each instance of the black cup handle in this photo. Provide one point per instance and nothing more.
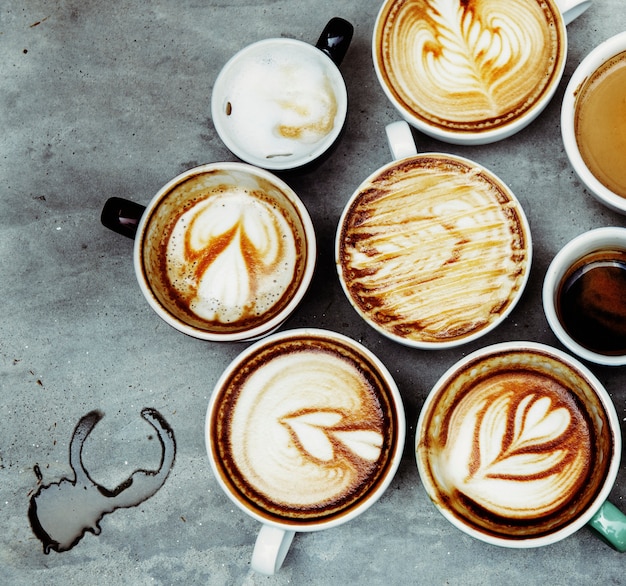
(122, 216)
(335, 39)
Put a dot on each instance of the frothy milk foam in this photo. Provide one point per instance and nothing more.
(279, 101)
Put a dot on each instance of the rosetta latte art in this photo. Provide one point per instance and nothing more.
(518, 449)
(469, 64)
(231, 257)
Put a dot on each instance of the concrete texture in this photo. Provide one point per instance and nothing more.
(112, 98)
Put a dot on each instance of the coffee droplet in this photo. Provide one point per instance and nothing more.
(592, 302)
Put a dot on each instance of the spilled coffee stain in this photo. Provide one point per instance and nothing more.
(62, 512)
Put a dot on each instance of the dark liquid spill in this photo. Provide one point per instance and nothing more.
(62, 512)
(592, 306)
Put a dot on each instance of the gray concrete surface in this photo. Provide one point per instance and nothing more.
(112, 98)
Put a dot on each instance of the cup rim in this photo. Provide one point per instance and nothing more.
(460, 137)
(395, 460)
(612, 418)
(263, 328)
(575, 249)
(598, 56)
(277, 164)
(420, 344)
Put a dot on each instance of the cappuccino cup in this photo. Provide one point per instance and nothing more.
(304, 431)
(471, 72)
(432, 250)
(223, 252)
(281, 103)
(593, 122)
(584, 296)
(519, 445)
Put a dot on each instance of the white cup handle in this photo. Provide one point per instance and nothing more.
(400, 140)
(270, 549)
(572, 9)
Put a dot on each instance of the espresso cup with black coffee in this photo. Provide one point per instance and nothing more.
(584, 296)
(281, 103)
(471, 72)
(432, 250)
(593, 122)
(304, 431)
(519, 445)
(223, 252)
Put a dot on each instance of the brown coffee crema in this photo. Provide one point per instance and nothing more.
(516, 445)
(304, 430)
(433, 249)
(224, 251)
(469, 65)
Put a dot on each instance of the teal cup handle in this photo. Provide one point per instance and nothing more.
(610, 523)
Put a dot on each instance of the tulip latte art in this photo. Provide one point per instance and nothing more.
(433, 249)
(512, 448)
(228, 251)
(304, 429)
(469, 65)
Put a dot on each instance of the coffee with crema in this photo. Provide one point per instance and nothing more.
(600, 123)
(303, 429)
(433, 249)
(469, 66)
(225, 250)
(514, 444)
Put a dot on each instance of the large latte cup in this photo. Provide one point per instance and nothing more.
(304, 431)
(519, 445)
(223, 252)
(432, 250)
(472, 72)
(593, 122)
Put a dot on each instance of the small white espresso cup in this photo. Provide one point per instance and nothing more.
(452, 69)
(223, 252)
(281, 103)
(588, 72)
(584, 296)
(518, 445)
(304, 431)
(432, 250)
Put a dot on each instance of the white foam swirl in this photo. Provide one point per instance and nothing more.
(231, 256)
(475, 64)
(306, 429)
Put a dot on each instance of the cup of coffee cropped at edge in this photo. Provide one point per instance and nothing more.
(519, 445)
(281, 103)
(584, 296)
(223, 252)
(472, 72)
(432, 250)
(593, 122)
(304, 431)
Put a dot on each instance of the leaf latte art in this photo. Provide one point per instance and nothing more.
(514, 451)
(304, 430)
(469, 64)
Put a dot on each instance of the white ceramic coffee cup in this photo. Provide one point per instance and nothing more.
(136, 221)
(403, 150)
(276, 534)
(567, 11)
(607, 238)
(597, 57)
(596, 511)
(281, 103)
